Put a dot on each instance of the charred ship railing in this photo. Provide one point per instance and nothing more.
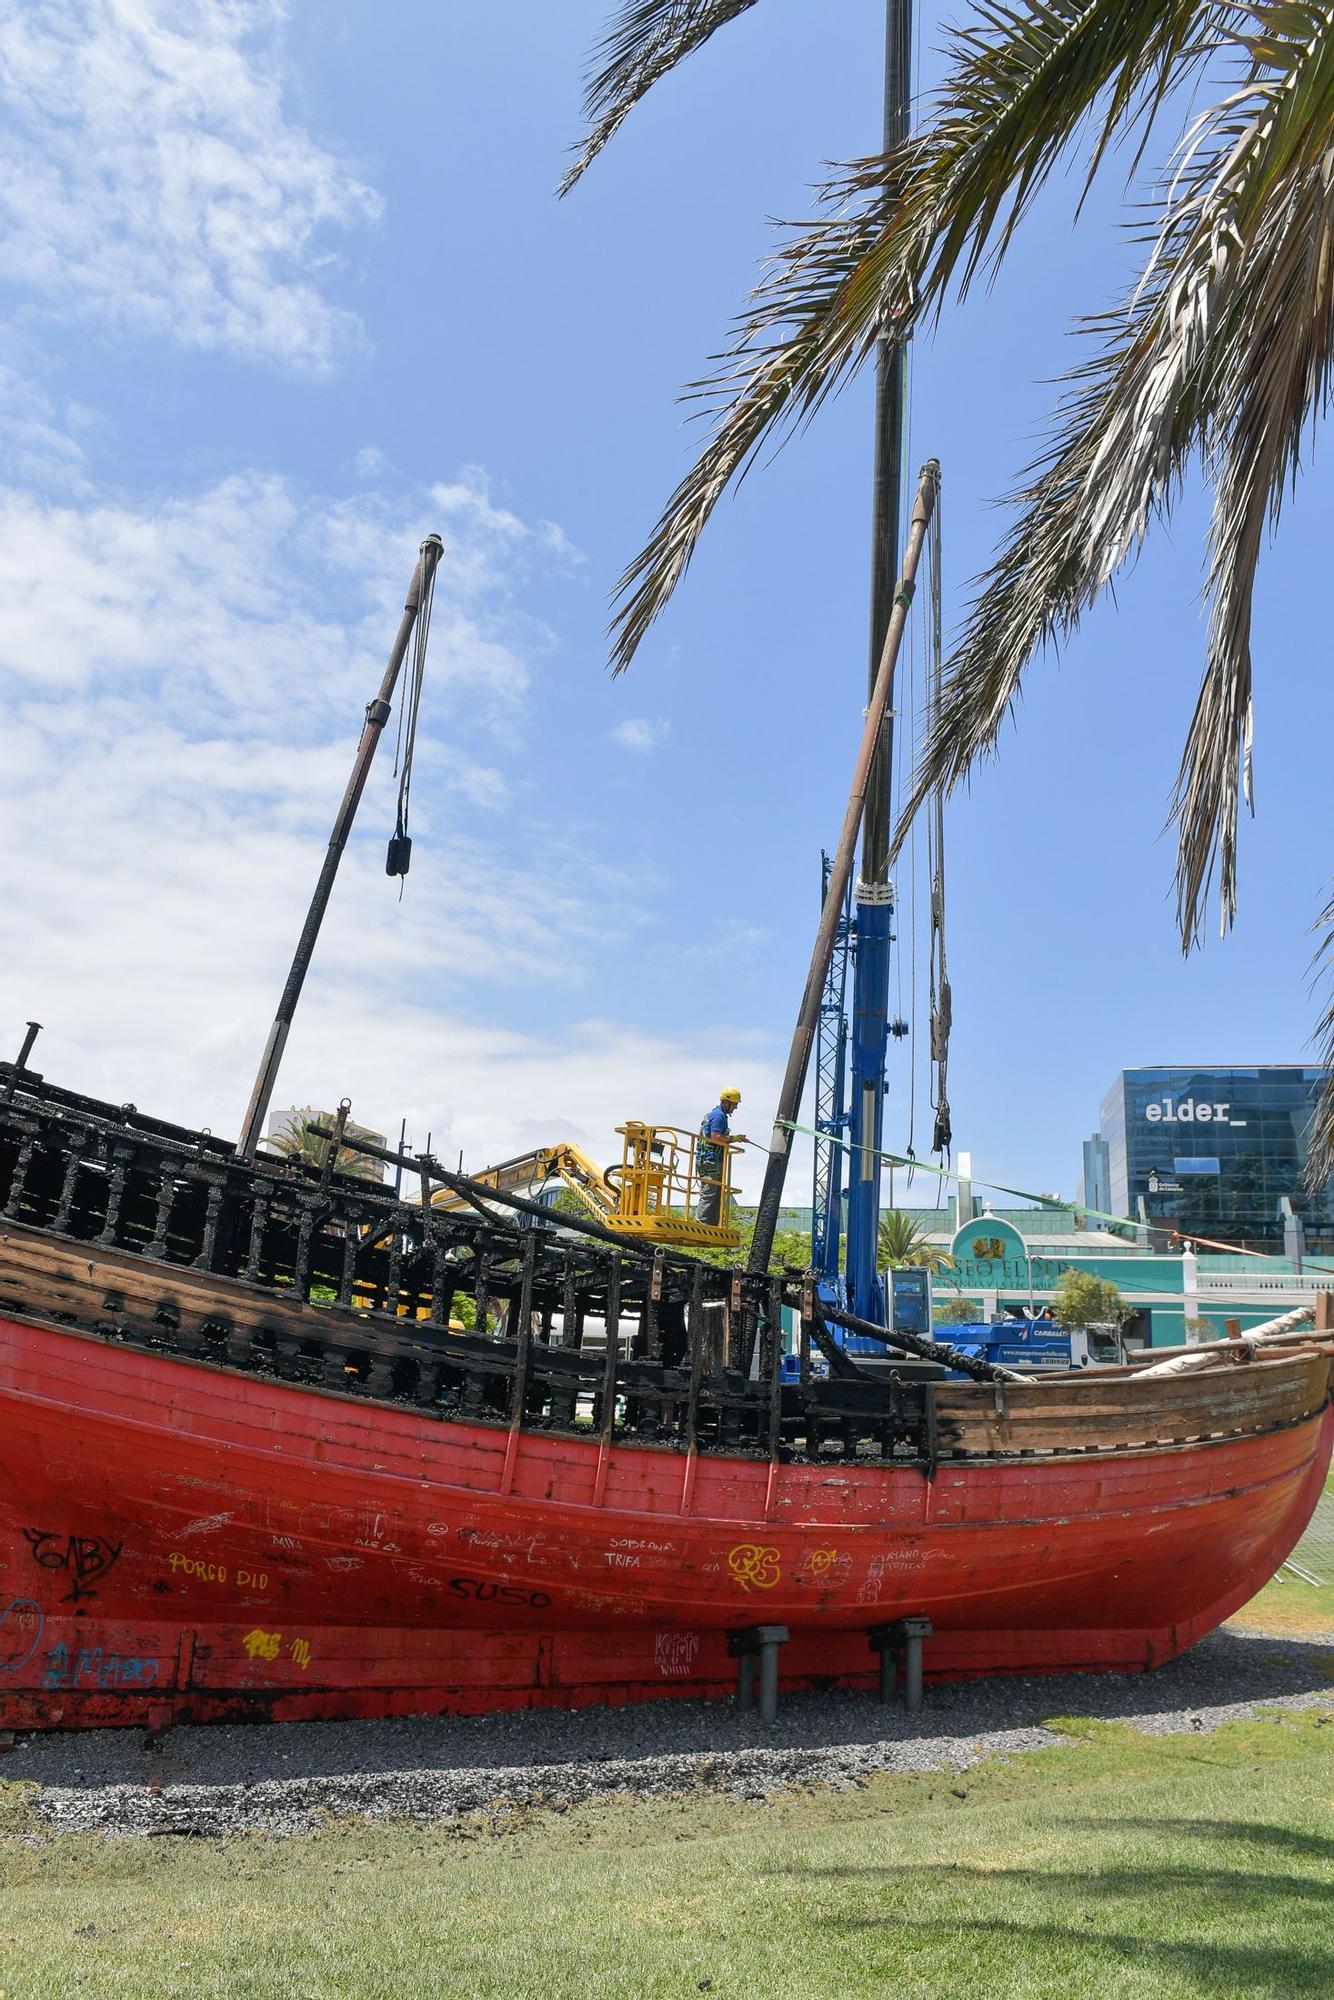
(349, 1286)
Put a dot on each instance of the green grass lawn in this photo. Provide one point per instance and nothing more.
(1116, 1865)
(1289, 1606)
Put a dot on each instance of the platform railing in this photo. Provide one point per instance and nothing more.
(664, 1179)
(474, 1314)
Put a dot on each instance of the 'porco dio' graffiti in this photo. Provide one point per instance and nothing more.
(87, 1560)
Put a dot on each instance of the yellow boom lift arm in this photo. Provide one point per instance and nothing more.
(653, 1192)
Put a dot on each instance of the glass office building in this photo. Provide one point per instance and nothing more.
(1213, 1151)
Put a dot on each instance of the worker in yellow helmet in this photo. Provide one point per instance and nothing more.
(710, 1153)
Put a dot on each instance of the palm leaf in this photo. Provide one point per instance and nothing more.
(1223, 347)
(894, 233)
(1320, 1139)
(646, 40)
(1276, 381)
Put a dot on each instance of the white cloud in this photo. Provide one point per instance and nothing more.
(183, 690)
(732, 943)
(150, 178)
(183, 684)
(230, 605)
(37, 447)
(639, 732)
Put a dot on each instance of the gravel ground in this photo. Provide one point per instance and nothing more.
(285, 1778)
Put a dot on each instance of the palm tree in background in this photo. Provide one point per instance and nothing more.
(1218, 353)
(297, 1140)
(900, 1239)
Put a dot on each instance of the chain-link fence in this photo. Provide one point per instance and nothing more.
(1314, 1553)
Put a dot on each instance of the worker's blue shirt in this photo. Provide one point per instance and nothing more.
(716, 1125)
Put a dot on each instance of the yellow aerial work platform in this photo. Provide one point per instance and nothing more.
(654, 1192)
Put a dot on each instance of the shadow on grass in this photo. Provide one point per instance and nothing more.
(1285, 1838)
(1239, 1968)
(1298, 1961)
(1226, 1883)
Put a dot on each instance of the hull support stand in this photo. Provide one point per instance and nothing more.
(904, 1636)
(752, 1643)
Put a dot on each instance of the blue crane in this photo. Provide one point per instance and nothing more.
(867, 935)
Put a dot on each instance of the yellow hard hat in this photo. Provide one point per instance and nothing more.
(731, 1095)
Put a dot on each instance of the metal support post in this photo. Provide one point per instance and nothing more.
(915, 1630)
(752, 1643)
(902, 1636)
(880, 1641)
(871, 1027)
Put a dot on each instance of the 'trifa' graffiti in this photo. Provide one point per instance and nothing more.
(87, 1560)
(268, 1646)
(91, 1667)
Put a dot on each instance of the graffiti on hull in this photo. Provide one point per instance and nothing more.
(21, 1624)
(86, 1560)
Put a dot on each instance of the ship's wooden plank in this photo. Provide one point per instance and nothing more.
(57, 1278)
(52, 1278)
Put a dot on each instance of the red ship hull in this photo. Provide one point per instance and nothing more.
(181, 1542)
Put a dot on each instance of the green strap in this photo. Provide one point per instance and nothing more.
(1021, 1194)
(945, 1174)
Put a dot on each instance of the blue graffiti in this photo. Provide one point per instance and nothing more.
(21, 1628)
(91, 1667)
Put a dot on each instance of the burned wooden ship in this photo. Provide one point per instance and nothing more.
(251, 1465)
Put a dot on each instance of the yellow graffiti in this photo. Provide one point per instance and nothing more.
(819, 1560)
(208, 1572)
(753, 1566)
(267, 1645)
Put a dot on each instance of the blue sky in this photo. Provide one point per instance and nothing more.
(285, 289)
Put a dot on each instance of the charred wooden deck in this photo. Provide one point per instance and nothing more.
(156, 1237)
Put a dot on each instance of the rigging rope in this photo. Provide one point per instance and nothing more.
(942, 1010)
(399, 857)
(909, 731)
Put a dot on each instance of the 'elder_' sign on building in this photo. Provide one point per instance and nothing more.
(1215, 1151)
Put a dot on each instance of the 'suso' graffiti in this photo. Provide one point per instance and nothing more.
(498, 1593)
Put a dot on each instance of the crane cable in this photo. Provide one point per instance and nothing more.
(399, 857)
(941, 999)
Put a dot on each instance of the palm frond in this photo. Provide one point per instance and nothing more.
(646, 40)
(1223, 347)
(1275, 383)
(1320, 1139)
(894, 233)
